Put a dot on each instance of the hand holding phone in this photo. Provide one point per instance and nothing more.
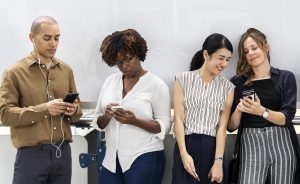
(71, 97)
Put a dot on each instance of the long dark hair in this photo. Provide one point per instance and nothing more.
(211, 44)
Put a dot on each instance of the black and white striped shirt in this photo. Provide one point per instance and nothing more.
(203, 102)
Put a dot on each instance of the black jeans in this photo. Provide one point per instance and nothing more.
(39, 165)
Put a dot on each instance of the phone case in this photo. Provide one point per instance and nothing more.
(71, 97)
(249, 94)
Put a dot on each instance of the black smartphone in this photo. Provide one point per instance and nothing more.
(249, 94)
(71, 97)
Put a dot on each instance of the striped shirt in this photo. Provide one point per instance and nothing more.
(203, 102)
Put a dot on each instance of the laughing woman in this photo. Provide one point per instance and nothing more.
(202, 103)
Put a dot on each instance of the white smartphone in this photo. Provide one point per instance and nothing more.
(117, 107)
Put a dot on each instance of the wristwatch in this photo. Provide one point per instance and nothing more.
(266, 113)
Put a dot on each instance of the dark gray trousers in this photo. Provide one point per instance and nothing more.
(40, 165)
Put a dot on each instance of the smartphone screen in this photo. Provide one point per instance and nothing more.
(71, 97)
(249, 94)
(118, 107)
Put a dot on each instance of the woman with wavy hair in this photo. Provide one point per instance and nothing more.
(269, 144)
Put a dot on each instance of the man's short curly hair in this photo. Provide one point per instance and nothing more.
(123, 43)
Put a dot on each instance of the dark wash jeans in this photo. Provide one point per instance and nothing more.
(146, 169)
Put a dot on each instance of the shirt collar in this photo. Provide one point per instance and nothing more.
(274, 71)
(31, 59)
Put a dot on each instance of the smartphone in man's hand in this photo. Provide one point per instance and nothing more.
(71, 97)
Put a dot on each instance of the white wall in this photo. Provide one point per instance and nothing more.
(174, 30)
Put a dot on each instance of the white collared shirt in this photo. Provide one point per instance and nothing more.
(149, 99)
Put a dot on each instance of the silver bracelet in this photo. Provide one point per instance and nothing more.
(219, 158)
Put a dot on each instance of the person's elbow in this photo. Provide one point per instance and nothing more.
(232, 126)
(3, 119)
(287, 118)
(230, 129)
(4, 123)
(156, 129)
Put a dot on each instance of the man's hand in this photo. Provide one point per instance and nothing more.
(56, 107)
(71, 108)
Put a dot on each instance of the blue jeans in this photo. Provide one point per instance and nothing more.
(146, 169)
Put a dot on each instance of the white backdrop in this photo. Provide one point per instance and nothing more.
(174, 30)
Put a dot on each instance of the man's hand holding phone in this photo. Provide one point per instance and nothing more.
(71, 103)
(56, 107)
(71, 97)
(71, 108)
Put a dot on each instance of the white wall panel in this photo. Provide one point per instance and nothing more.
(174, 30)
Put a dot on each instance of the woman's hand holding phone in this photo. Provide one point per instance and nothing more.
(123, 116)
(117, 108)
(251, 106)
(109, 110)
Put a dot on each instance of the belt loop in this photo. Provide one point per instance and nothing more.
(38, 148)
(42, 147)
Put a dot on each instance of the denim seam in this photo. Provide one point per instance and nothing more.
(152, 175)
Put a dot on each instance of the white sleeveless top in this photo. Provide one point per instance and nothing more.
(203, 103)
